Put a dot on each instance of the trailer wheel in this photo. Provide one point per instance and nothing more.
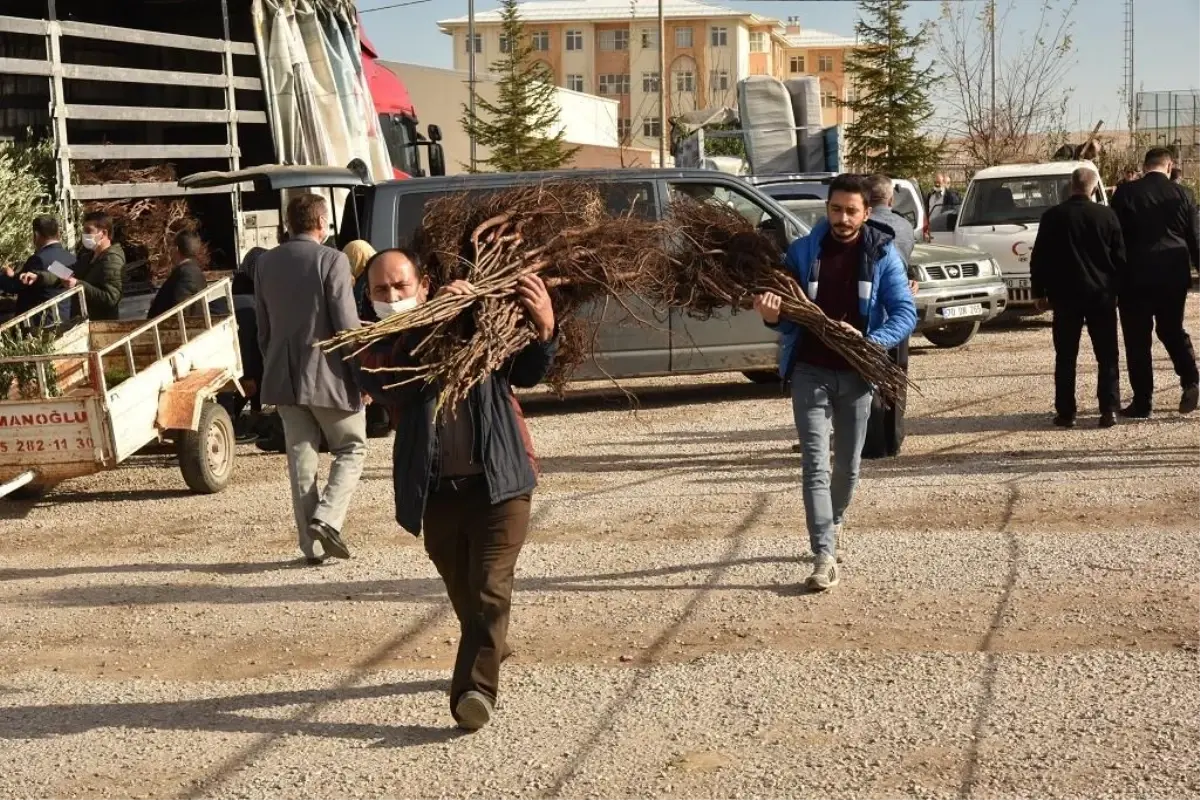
(206, 454)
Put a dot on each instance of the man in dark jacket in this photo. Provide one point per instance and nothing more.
(100, 271)
(1158, 220)
(31, 292)
(464, 478)
(1077, 266)
(186, 279)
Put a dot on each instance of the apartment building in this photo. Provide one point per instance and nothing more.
(611, 48)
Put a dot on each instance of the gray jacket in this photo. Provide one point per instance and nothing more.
(304, 295)
(905, 238)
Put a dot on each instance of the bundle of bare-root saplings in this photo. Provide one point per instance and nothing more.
(701, 258)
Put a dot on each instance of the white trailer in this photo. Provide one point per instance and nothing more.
(109, 388)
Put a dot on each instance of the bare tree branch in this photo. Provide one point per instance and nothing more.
(1031, 72)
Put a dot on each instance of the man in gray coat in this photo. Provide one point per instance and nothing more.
(883, 194)
(304, 295)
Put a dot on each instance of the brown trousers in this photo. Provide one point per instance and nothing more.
(474, 546)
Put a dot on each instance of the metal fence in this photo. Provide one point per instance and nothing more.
(1170, 119)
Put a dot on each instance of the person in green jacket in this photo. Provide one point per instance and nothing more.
(100, 270)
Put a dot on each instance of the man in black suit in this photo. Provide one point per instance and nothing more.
(1076, 268)
(1158, 219)
(47, 250)
(186, 279)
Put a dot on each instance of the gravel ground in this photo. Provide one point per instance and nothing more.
(1017, 616)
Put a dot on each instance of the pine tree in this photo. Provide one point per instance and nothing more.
(893, 94)
(515, 128)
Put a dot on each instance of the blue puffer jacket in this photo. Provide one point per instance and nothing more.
(884, 300)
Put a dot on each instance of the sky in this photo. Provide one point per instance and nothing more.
(410, 34)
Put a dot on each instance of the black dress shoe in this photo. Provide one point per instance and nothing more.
(1108, 419)
(1133, 412)
(1064, 421)
(330, 539)
(1190, 400)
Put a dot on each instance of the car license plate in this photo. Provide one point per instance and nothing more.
(954, 312)
(1017, 283)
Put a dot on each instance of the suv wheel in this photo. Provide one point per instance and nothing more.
(956, 334)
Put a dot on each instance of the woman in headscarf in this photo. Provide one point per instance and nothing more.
(359, 252)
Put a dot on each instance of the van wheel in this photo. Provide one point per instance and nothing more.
(764, 377)
(206, 454)
(954, 335)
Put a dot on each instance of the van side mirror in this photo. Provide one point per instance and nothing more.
(437, 159)
(951, 221)
(435, 133)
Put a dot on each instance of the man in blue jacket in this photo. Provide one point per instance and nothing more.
(851, 269)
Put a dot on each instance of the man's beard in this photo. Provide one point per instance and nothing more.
(845, 233)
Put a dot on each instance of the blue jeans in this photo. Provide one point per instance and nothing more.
(825, 399)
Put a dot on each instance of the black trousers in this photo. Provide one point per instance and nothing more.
(1101, 321)
(1155, 310)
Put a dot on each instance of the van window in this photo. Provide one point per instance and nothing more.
(636, 198)
(1013, 201)
(745, 204)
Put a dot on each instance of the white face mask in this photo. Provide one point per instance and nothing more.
(89, 241)
(384, 310)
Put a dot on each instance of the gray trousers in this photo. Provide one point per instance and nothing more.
(346, 434)
(826, 401)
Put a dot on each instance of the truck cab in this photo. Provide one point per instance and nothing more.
(1000, 215)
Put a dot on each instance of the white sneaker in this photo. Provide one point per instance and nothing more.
(824, 575)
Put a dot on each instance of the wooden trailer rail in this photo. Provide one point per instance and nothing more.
(222, 288)
(92, 360)
(57, 71)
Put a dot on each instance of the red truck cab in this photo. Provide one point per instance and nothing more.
(398, 119)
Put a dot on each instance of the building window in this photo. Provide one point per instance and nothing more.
(829, 99)
(825, 64)
(651, 127)
(758, 42)
(719, 37)
(505, 44)
(574, 40)
(575, 83)
(683, 37)
(541, 41)
(852, 94)
(650, 82)
(685, 81)
(478, 43)
(614, 40)
(718, 79)
(624, 129)
(649, 39)
(797, 64)
(613, 84)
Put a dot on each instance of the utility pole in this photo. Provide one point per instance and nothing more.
(1130, 93)
(471, 77)
(662, 87)
(992, 16)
